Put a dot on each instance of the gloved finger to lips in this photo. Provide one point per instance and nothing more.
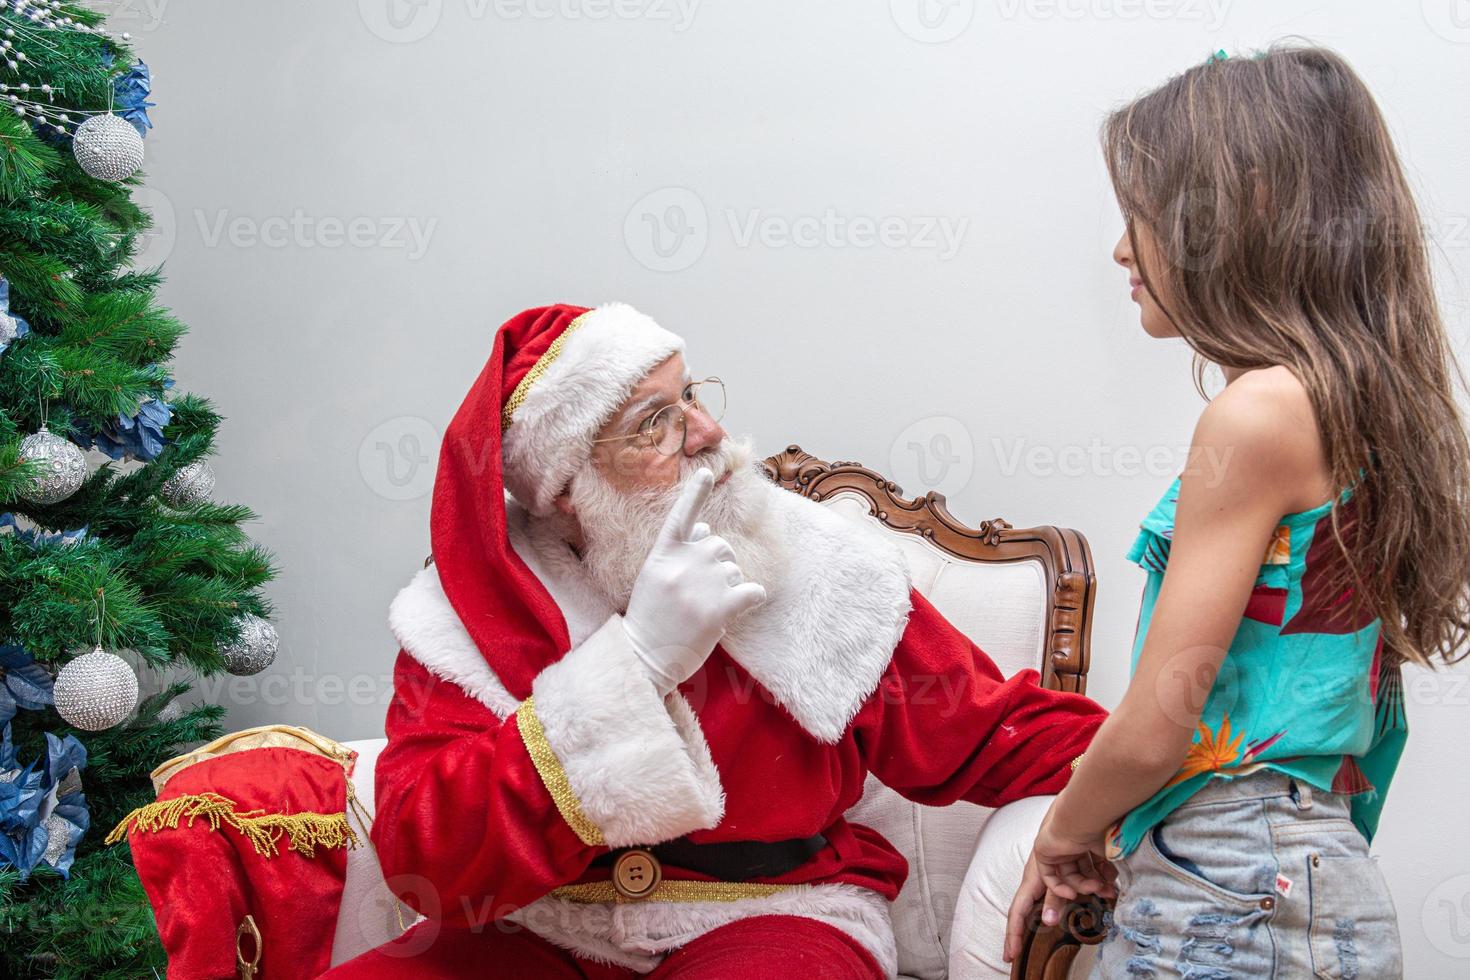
(680, 522)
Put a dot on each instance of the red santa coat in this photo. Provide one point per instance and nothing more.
(492, 808)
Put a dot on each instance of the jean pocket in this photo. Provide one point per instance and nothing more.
(1354, 930)
(1214, 880)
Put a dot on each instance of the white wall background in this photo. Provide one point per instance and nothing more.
(352, 196)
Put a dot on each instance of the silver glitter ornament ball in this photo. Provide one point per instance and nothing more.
(171, 712)
(192, 484)
(254, 650)
(95, 691)
(108, 147)
(63, 466)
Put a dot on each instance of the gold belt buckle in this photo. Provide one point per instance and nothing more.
(636, 873)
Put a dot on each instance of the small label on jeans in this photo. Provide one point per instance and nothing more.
(1283, 885)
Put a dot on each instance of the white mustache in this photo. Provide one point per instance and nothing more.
(721, 461)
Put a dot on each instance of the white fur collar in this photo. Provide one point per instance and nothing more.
(819, 644)
(824, 636)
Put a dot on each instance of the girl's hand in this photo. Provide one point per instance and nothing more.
(1059, 870)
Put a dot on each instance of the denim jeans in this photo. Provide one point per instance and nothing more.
(1258, 876)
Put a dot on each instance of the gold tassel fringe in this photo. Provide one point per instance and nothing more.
(304, 831)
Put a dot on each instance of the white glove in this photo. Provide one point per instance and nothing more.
(687, 594)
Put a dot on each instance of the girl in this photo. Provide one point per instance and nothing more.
(1317, 538)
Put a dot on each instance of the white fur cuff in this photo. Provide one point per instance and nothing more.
(638, 765)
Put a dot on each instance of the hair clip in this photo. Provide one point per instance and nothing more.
(1220, 55)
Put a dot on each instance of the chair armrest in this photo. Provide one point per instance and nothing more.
(990, 884)
(978, 937)
(370, 914)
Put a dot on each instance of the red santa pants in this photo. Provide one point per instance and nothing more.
(761, 946)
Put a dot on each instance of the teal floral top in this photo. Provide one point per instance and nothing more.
(1303, 688)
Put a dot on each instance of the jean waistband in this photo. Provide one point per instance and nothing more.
(1264, 784)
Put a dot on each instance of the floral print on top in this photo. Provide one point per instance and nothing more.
(1303, 688)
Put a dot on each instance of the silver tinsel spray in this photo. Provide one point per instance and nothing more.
(63, 466)
(9, 328)
(58, 836)
(108, 147)
(254, 650)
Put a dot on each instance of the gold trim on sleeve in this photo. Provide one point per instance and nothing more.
(553, 775)
(542, 365)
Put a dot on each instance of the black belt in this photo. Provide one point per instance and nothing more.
(736, 860)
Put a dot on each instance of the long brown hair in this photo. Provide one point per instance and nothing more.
(1286, 234)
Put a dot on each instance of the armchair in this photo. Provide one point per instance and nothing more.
(1025, 596)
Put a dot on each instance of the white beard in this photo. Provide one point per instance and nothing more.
(619, 528)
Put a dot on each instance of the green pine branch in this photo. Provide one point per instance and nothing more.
(25, 161)
(175, 580)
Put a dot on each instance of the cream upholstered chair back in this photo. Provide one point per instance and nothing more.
(1024, 596)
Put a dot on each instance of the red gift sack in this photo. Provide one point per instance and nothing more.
(243, 855)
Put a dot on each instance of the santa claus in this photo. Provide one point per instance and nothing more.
(640, 686)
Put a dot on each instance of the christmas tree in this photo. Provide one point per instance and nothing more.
(115, 563)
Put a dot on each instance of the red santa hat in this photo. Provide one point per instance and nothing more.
(555, 376)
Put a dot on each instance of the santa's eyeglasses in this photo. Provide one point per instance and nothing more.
(665, 430)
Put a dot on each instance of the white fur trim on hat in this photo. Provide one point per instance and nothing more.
(550, 435)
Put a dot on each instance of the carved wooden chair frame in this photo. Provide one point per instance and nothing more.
(1071, 588)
